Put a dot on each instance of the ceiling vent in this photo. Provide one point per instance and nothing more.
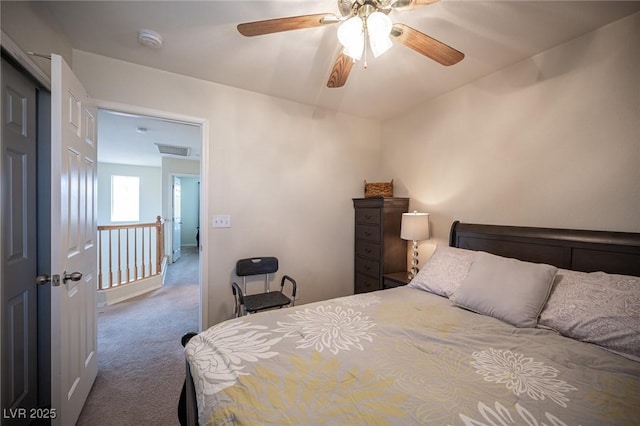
(182, 151)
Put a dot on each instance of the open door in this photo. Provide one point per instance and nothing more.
(74, 362)
(177, 220)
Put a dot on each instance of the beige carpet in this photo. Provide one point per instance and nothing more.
(140, 358)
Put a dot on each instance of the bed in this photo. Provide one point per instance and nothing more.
(505, 325)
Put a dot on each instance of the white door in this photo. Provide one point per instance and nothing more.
(177, 219)
(74, 362)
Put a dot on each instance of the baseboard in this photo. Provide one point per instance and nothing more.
(127, 291)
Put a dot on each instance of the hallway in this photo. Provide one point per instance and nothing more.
(140, 359)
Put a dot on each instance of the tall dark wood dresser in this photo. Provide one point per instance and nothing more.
(378, 247)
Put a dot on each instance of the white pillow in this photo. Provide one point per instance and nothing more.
(508, 289)
(444, 271)
(597, 308)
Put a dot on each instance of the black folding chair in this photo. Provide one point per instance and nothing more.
(251, 303)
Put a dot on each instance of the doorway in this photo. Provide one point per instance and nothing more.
(155, 148)
(186, 214)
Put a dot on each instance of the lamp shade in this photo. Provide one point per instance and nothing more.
(351, 36)
(379, 27)
(415, 226)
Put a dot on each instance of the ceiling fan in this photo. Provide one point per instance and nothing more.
(364, 23)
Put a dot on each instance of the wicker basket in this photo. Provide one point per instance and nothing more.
(378, 189)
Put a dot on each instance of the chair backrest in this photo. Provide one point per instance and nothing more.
(256, 266)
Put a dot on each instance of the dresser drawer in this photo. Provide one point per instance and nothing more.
(368, 267)
(368, 249)
(365, 284)
(368, 232)
(368, 215)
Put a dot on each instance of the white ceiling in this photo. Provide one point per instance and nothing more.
(131, 139)
(201, 40)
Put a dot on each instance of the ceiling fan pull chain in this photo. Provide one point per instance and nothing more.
(367, 43)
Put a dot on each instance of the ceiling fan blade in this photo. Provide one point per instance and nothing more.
(340, 71)
(277, 25)
(403, 5)
(428, 46)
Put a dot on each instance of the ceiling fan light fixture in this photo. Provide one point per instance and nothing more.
(351, 36)
(379, 24)
(379, 45)
(379, 28)
(355, 50)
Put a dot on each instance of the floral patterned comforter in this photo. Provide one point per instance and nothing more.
(403, 356)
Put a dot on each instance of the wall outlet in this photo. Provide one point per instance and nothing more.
(221, 221)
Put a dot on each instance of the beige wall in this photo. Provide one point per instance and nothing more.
(285, 173)
(28, 25)
(553, 141)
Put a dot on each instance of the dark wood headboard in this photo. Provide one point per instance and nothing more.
(587, 251)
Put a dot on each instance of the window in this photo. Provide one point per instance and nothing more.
(125, 198)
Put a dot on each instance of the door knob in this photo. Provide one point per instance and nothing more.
(55, 279)
(43, 279)
(74, 276)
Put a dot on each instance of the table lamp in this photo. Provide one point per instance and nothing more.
(414, 227)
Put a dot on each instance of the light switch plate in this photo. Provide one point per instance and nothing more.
(221, 221)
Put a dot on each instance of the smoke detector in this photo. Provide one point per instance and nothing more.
(150, 38)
